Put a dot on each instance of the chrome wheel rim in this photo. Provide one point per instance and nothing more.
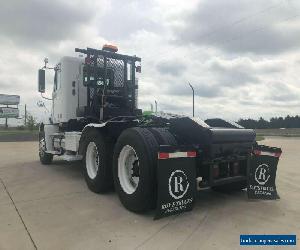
(128, 169)
(92, 160)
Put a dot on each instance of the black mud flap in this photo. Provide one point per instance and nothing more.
(176, 180)
(262, 173)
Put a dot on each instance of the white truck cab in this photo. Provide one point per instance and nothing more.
(68, 90)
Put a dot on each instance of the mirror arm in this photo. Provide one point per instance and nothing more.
(50, 99)
(48, 67)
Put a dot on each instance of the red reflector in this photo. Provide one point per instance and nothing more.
(278, 154)
(163, 155)
(191, 154)
(257, 152)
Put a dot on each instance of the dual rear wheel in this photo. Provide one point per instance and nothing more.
(130, 167)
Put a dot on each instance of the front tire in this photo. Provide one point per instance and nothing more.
(134, 168)
(97, 162)
(45, 158)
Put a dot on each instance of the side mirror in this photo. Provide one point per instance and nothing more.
(41, 79)
(138, 69)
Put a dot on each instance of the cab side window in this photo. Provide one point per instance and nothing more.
(56, 80)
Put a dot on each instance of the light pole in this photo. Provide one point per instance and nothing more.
(193, 99)
(155, 106)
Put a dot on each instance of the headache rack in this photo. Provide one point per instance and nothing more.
(110, 78)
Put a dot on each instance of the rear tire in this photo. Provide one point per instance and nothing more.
(45, 158)
(134, 169)
(231, 187)
(97, 162)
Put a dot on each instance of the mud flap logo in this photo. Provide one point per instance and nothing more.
(262, 174)
(178, 184)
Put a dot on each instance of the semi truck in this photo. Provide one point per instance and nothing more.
(95, 119)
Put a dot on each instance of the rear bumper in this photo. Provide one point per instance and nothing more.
(227, 180)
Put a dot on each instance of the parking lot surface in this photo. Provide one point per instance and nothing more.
(50, 207)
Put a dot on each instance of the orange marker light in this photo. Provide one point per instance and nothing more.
(110, 48)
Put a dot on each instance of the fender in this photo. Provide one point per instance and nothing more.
(111, 129)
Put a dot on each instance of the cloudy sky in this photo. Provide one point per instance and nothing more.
(242, 57)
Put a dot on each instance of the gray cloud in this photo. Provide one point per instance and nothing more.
(201, 90)
(249, 103)
(173, 68)
(283, 93)
(232, 75)
(35, 21)
(120, 20)
(243, 71)
(169, 107)
(257, 27)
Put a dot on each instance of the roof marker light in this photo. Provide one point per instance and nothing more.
(110, 48)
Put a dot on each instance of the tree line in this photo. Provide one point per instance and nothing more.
(274, 122)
